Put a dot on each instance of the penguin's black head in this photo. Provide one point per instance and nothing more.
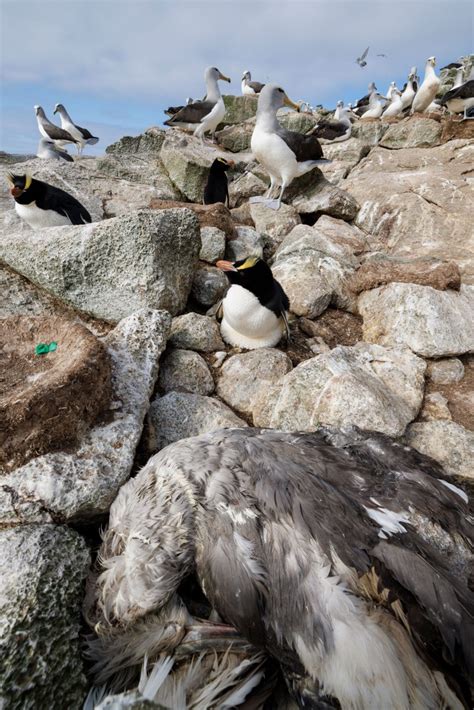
(221, 165)
(19, 183)
(252, 273)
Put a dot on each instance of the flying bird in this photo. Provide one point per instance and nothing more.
(51, 131)
(284, 154)
(203, 116)
(342, 554)
(82, 135)
(254, 308)
(381, 55)
(217, 189)
(361, 60)
(249, 87)
(42, 205)
(48, 150)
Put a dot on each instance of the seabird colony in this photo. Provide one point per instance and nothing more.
(56, 138)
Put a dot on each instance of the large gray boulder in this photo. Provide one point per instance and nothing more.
(313, 194)
(249, 242)
(447, 442)
(193, 331)
(185, 371)
(112, 268)
(179, 415)
(343, 156)
(243, 376)
(80, 484)
(430, 322)
(238, 109)
(415, 132)
(273, 225)
(366, 385)
(209, 285)
(41, 577)
(418, 202)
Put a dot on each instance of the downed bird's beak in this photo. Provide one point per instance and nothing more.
(291, 104)
(224, 78)
(206, 636)
(225, 266)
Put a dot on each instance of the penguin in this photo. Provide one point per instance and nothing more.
(42, 205)
(216, 189)
(254, 308)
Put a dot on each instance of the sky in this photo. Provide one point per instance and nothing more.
(116, 64)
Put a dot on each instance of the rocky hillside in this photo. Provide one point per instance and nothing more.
(375, 254)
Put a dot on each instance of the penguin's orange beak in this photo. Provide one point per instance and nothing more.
(16, 191)
(225, 266)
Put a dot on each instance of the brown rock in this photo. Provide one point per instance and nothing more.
(426, 272)
(241, 215)
(216, 215)
(454, 128)
(48, 401)
(334, 327)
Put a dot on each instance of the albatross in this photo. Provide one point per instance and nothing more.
(249, 87)
(409, 90)
(203, 116)
(460, 97)
(284, 154)
(337, 130)
(51, 131)
(427, 91)
(342, 554)
(82, 135)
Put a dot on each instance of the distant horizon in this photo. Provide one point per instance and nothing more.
(116, 64)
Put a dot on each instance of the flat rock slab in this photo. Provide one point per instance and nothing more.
(113, 268)
(313, 194)
(80, 484)
(418, 202)
(216, 215)
(380, 270)
(432, 323)
(415, 132)
(366, 385)
(48, 400)
(42, 578)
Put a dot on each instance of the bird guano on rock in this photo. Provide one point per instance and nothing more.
(284, 154)
(340, 553)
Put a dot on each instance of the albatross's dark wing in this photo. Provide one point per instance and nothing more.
(465, 91)
(256, 86)
(86, 134)
(329, 130)
(56, 133)
(305, 147)
(192, 113)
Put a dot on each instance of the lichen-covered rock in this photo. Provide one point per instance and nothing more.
(417, 202)
(446, 371)
(312, 193)
(381, 269)
(212, 244)
(238, 109)
(209, 285)
(415, 132)
(178, 415)
(246, 185)
(343, 156)
(113, 268)
(447, 442)
(304, 283)
(185, 371)
(147, 144)
(242, 376)
(235, 137)
(79, 484)
(369, 132)
(435, 406)
(370, 386)
(248, 243)
(273, 225)
(432, 323)
(41, 577)
(195, 332)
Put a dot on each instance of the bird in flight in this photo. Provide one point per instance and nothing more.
(361, 60)
(381, 55)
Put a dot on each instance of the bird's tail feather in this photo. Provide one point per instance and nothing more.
(92, 141)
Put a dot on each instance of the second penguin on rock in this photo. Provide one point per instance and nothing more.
(254, 308)
(217, 189)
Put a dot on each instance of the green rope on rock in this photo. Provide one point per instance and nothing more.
(43, 348)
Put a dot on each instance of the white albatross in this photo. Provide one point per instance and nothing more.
(427, 91)
(284, 154)
(202, 116)
(82, 135)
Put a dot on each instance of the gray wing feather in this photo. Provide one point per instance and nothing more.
(305, 147)
(193, 113)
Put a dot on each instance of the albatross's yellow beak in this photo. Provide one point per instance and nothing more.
(224, 78)
(291, 104)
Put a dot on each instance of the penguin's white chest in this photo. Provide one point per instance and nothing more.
(248, 324)
(37, 218)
